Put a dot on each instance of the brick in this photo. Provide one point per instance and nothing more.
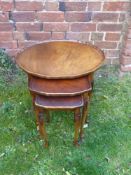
(112, 36)
(116, 6)
(84, 37)
(112, 53)
(73, 36)
(6, 36)
(23, 16)
(107, 61)
(38, 36)
(125, 60)
(12, 52)
(78, 17)
(105, 17)
(24, 44)
(6, 5)
(83, 27)
(6, 26)
(94, 6)
(125, 68)
(29, 26)
(55, 27)
(19, 35)
(51, 6)
(120, 45)
(115, 61)
(128, 44)
(51, 16)
(122, 17)
(72, 6)
(129, 34)
(4, 17)
(97, 36)
(127, 52)
(28, 5)
(106, 45)
(8, 44)
(58, 35)
(109, 27)
(129, 21)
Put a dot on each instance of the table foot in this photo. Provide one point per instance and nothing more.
(76, 143)
(46, 145)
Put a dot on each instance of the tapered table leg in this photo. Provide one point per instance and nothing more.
(91, 80)
(42, 129)
(77, 120)
(31, 93)
(84, 117)
(33, 98)
(46, 111)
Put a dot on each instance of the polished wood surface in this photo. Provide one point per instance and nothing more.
(59, 87)
(41, 124)
(60, 59)
(60, 94)
(59, 102)
(60, 76)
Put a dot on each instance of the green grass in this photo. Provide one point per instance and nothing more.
(106, 148)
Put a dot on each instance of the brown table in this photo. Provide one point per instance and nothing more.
(60, 76)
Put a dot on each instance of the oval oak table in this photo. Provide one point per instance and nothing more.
(60, 77)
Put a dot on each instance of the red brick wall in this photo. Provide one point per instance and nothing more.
(23, 23)
(125, 58)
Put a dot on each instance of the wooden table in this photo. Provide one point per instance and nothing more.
(60, 76)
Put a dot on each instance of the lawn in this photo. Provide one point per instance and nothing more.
(106, 148)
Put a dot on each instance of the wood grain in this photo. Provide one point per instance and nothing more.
(60, 59)
(67, 87)
(59, 102)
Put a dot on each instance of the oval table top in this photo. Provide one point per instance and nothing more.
(60, 59)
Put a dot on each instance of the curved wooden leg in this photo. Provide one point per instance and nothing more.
(91, 80)
(92, 84)
(77, 120)
(85, 112)
(33, 98)
(42, 130)
(33, 102)
(37, 116)
(83, 119)
(90, 94)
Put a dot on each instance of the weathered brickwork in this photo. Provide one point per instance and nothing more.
(125, 58)
(103, 23)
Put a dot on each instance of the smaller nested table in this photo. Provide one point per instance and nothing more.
(60, 76)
